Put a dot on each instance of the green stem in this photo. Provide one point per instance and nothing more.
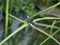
(17, 18)
(41, 12)
(38, 29)
(49, 37)
(7, 9)
(45, 18)
(16, 31)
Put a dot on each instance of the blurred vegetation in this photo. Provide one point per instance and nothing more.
(27, 5)
(31, 7)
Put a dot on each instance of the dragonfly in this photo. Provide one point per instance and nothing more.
(30, 20)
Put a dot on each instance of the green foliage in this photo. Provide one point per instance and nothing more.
(15, 4)
(28, 6)
(50, 2)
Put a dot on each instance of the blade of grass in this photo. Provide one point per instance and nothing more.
(16, 31)
(38, 19)
(58, 29)
(7, 9)
(41, 12)
(51, 29)
(41, 24)
(49, 37)
(45, 33)
(17, 18)
(46, 25)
